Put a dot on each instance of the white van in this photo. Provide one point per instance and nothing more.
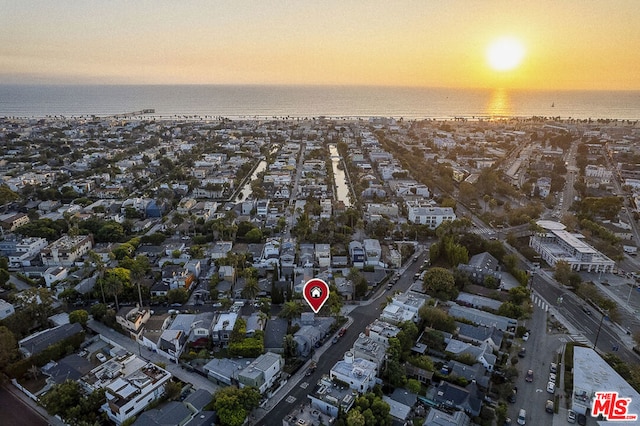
(522, 417)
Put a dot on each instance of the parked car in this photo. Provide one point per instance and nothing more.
(335, 339)
(529, 376)
(513, 395)
(551, 387)
(101, 357)
(548, 406)
(553, 367)
(522, 417)
(571, 416)
(522, 352)
(525, 336)
(552, 377)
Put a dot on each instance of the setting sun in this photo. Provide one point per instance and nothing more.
(505, 54)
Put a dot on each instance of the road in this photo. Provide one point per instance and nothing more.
(362, 316)
(542, 348)
(595, 327)
(16, 412)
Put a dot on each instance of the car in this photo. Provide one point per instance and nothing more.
(552, 377)
(586, 310)
(507, 422)
(522, 353)
(529, 376)
(522, 417)
(513, 395)
(551, 387)
(548, 406)
(553, 367)
(341, 332)
(101, 357)
(525, 336)
(571, 416)
(582, 419)
(389, 286)
(335, 339)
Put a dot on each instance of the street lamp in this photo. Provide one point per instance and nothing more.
(599, 327)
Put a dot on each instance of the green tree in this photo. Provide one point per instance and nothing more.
(414, 386)
(115, 280)
(233, 405)
(8, 349)
(562, 272)
(439, 283)
(251, 288)
(290, 347)
(290, 310)
(98, 311)
(356, 418)
(177, 295)
(80, 316)
(436, 318)
(172, 390)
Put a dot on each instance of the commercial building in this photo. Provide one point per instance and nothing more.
(554, 244)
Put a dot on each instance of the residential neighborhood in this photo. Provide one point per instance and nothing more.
(152, 271)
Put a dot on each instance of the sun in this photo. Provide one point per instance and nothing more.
(505, 54)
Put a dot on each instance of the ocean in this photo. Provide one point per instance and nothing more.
(184, 101)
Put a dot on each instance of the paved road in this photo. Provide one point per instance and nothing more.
(15, 411)
(592, 326)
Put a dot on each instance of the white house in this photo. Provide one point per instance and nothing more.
(358, 373)
(431, 216)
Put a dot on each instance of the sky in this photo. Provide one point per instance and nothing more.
(569, 44)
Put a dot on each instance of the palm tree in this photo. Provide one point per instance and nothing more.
(291, 310)
(251, 288)
(114, 286)
(100, 267)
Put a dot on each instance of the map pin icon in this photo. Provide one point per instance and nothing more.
(316, 293)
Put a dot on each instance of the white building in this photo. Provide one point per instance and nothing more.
(431, 216)
(130, 385)
(66, 250)
(372, 251)
(555, 244)
(358, 373)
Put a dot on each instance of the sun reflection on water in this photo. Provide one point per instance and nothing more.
(499, 104)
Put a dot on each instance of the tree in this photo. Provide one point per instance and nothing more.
(562, 272)
(8, 348)
(177, 295)
(69, 402)
(437, 318)
(233, 405)
(80, 316)
(290, 347)
(439, 283)
(251, 288)
(290, 310)
(172, 390)
(414, 386)
(100, 267)
(98, 311)
(115, 281)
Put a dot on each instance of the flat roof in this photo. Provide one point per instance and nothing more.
(592, 374)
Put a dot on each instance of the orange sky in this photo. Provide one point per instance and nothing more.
(570, 44)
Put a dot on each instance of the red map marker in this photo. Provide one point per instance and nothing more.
(316, 292)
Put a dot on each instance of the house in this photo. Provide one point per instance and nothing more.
(381, 331)
(130, 385)
(467, 399)
(476, 372)
(13, 221)
(478, 335)
(172, 413)
(54, 274)
(356, 251)
(367, 348)
(262, 373)
(403, 307)
(482, 353)
(437, 417)
(227, 273)
(401, 403)
(358, 373)
(133, 320)
(221, 332)
(274, 333)
(38, 342)
(312, 330)
(481, 266)
(6, 309)
(330, 397)
(486, 319)
(223, 371)
(71, 367)
(323, 255)
(373, 251)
